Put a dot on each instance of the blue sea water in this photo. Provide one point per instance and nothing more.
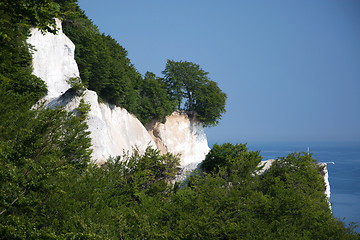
(344, 175)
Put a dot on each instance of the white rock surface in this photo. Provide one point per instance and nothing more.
(53, 60)
(114, 130)
(181, 135)
(266, 164)
(327, 183)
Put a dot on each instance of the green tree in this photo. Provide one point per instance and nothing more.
(36, 147)
(187, 81)
(210, 103)
(296, 204)
(34, 144)
(149, 173)
(27, 13)
(231, 158)
(103, 63)
(155, 103)
(182, 78)
(15, 59)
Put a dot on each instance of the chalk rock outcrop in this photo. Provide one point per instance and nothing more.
(114, 130)
(53, 60)
(326, 180)
(181, 135)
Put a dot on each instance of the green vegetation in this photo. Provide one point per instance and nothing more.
(26, 13)
(36, 146)
(103, 63)
(155, 103)
(133, 197)
(15, 59)
(223, 156)
(49, 188)
(186, 80)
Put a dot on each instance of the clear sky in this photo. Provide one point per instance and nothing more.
(291, 69)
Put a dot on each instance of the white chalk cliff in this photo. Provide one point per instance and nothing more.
(113, 129)
(326, 180)
(53, 60)
(181, 135)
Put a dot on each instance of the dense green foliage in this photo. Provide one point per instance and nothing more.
(226, 154)
(103, 63)
(36, 146)
(132, 197)
(155, 103)
(15, 59)
(26, 13)
(187, 81)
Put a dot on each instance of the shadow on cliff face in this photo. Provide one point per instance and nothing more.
(66, 98)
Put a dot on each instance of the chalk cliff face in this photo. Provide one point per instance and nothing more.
(53, 60)
(181, 135)
(326, 180)
(113, 129)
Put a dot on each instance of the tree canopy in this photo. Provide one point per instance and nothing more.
(155, 103)
(133, 197)
(188, 84)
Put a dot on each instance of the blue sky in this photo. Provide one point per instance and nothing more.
(291, 69)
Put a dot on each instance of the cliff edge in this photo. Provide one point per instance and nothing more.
(114, 131)
(180, 135)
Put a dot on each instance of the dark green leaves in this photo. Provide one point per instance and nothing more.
(233, 159)
(189, 85)
(36, 145)
(155, 103)
(103, 63)
(27, 13)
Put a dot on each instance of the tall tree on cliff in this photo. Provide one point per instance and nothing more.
(187, 81)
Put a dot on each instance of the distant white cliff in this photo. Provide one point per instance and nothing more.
(113, 129)
(326, 180)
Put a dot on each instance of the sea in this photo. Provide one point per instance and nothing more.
(343, 160)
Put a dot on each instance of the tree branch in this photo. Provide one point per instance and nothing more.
(14, 201)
